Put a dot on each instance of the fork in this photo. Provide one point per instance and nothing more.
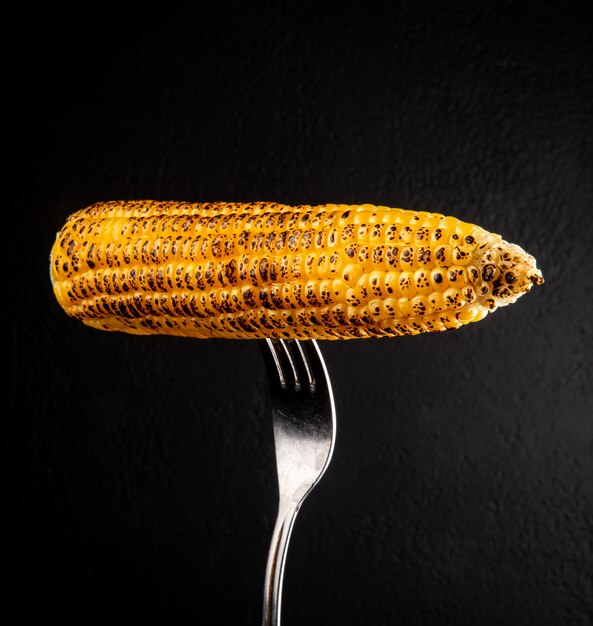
(304, 419)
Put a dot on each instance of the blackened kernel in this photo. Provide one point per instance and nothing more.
(229, 245)
(391, 232)
(422, 233)
(270, 241)
(488, 271)
(391, 255)
(460, 254)
(424, 255)
(273, 271)
(348, 232)
(406, 255)
(293, 240)
(378, 254)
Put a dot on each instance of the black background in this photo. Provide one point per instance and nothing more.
(141, 478)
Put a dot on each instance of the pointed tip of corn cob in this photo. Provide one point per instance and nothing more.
(509, 270)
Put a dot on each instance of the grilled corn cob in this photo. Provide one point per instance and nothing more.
(262, 269)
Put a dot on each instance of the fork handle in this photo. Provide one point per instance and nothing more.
(276, 561)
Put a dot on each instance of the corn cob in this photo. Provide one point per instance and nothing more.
(236, 270)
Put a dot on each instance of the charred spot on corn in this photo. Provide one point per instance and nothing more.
(255, 270)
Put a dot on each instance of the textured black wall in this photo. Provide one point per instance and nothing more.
(141, 479)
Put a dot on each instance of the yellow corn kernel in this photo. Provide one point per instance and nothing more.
(255, 270)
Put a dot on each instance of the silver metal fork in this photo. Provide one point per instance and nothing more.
(304, 419)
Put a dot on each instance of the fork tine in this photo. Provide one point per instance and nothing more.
(319, 372)
(302, 348)
(271, 349)
(291, 361)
